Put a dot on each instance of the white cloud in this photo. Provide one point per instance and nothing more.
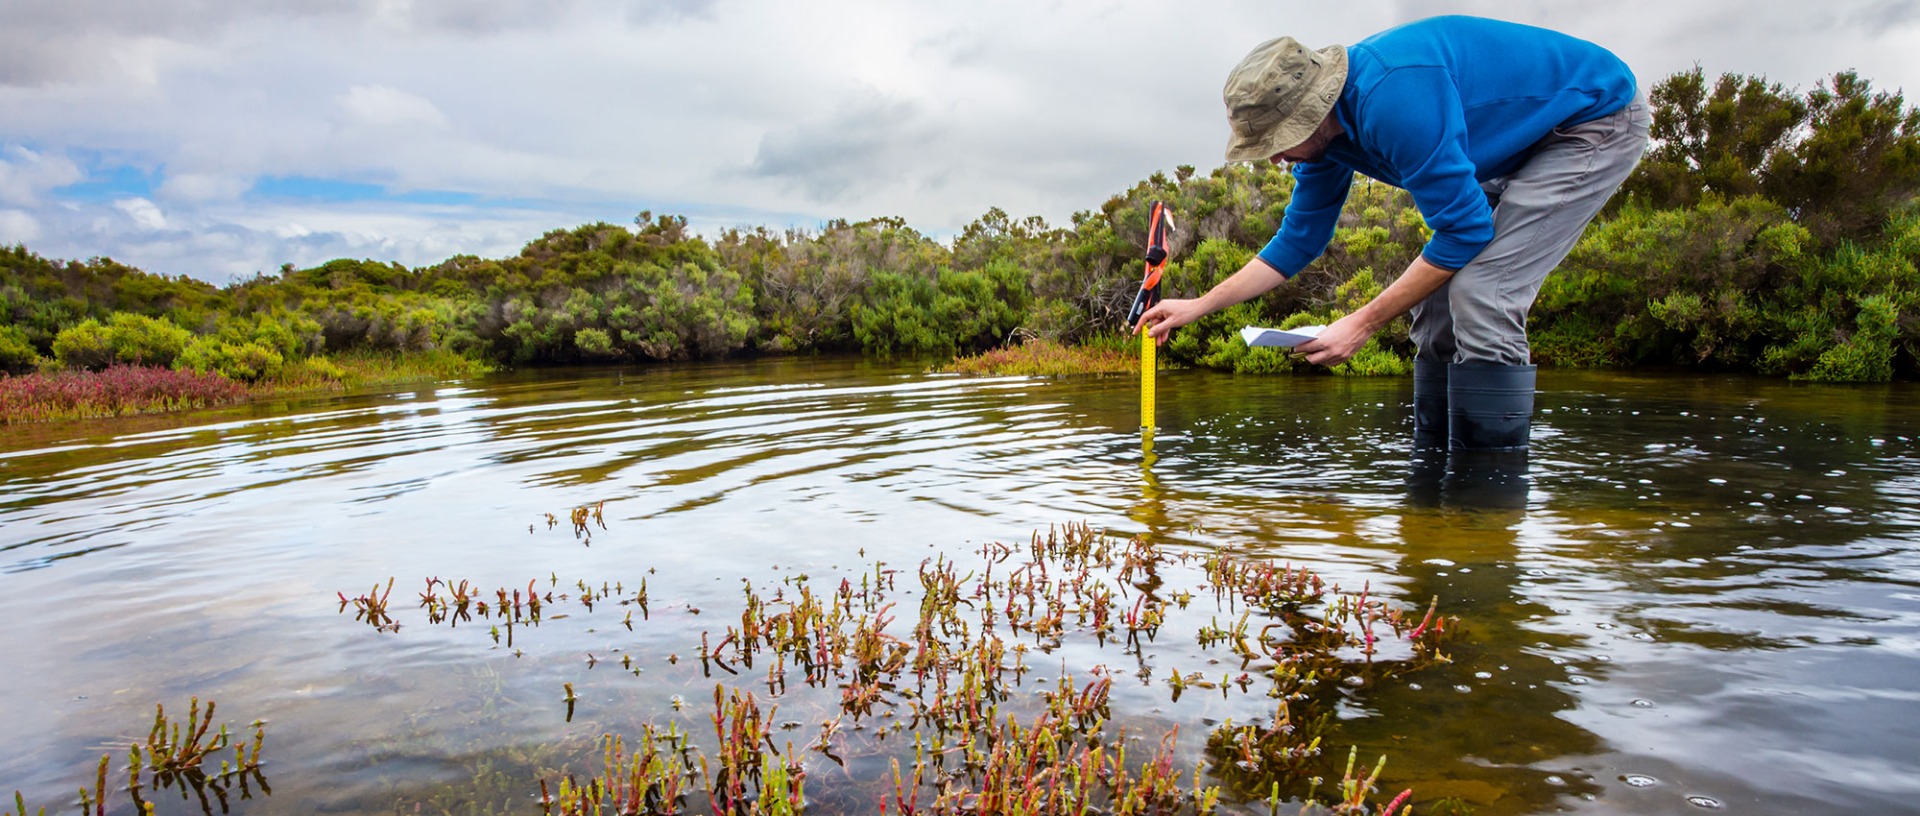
(871, 144)
(145, 214)
(381, 106)
(17, 227)
(190, 186)
(26, 175)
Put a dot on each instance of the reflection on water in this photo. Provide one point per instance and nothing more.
(1698, 590)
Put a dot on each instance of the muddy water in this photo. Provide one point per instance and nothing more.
(1699, 594)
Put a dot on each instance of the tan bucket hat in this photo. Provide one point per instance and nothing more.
(1279, 94)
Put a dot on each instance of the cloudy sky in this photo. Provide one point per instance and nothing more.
(217, 138)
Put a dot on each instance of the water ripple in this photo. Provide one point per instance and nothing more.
(1667, 591)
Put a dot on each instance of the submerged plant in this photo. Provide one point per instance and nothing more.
(178, 755)
(372, 607)
(946, 673)
(745, 775)
(951, 674)
(20, 806)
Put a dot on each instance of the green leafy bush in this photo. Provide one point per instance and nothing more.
(1866, 355)
(693, 309)
(84, 346)
(594, 342)
(241, 362)
(1374, 360)
(142, 340)
(953, 311)
(1662, 286)
(17, 354)
(125, 338)
(310, 373)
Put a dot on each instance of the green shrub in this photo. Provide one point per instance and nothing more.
(955, 310)
(1685, 285)
(314, 373)
(1574, 341)
(1055, 318)
(1866, 356)
(142, 340)
(902, 313)
(1803, 334)
(242, 362)
(84, 346)
(125, 338)
(1222, 348)
(1252, 360)
(290, 334)
(1374, 360)
(1838, 320)
(17, 354)
(594, 342)
(693, 309)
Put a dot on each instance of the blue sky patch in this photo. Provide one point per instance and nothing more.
(109, 183)
(309, 188)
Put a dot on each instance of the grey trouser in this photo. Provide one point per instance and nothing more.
(1480, 315)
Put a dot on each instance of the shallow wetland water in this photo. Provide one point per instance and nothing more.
(1702, 595)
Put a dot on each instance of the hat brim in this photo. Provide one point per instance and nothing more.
(1305, 117)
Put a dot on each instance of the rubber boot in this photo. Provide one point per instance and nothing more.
(1428, 465)
(1489, 407)
(1429, 404)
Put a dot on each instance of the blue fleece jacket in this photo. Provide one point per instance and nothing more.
(1436, 107)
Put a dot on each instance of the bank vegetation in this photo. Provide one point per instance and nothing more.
(1768, 230)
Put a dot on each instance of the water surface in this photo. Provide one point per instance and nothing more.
(1701, 594)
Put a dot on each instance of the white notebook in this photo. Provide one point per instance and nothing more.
(1283, 338)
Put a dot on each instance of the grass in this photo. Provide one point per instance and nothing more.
(1047, 358)
(123, 390)
(117, 391)
(357, 369)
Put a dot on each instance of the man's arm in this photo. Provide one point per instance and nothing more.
(1320, 189)
(1338, 342)
(1253, 280)
(1417, 125)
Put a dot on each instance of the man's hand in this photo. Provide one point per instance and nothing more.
(1337, 343)
(1253, 279)
(1167, 315)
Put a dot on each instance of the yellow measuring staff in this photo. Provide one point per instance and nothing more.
(1147, 370)
(1159, 223)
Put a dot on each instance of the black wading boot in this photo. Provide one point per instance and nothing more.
(1489, 407)
(1429, 404)
(1490, 414)
(1429, 461)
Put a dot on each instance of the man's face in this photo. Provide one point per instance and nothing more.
(1313, 149)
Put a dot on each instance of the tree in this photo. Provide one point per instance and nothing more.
(1859, 158)
(1721, 143)
(1840, 160)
